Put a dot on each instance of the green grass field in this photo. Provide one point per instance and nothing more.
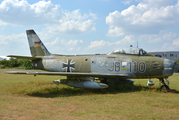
(25, 97)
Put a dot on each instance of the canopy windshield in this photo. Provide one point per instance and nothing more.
(130, 50)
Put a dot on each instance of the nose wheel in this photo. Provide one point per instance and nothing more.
(164, 87)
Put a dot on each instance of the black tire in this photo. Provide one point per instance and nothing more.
(164, 88)
(104, 81)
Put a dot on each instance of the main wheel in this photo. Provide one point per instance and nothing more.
(104, 81)
(164, 88)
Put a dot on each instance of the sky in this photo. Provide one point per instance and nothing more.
(89, 26)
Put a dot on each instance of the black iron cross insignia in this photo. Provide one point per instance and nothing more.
(69, 65)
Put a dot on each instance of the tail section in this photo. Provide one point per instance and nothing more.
(37, 48)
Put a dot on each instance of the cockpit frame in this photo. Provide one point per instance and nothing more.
(131, 51)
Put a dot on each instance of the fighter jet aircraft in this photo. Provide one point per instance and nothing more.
(119, 65)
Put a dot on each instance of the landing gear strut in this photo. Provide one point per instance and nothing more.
(104, 81)
(164, 87)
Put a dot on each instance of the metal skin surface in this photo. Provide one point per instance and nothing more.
(114, 66)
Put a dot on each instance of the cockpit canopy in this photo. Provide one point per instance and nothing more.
(130, 50)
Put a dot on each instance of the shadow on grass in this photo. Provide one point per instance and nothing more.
(70, 91)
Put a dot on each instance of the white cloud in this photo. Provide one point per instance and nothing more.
(78, 49)
(14, 44)
(168, 46)
(3, 40)
(99, 44)
(55, 42)
(44, 35)
(129, 39)
(74, 49)
(147, 17)
(126, 2)
(156, 38)
(109, 46)
(2, 23)
(94, 16)
(169, 36)
(17, 12)
(157, 3)
(71, 42)
(14, 38)
(74, 42)
(60, 45)
(70, 49)
(174, 45)
(22, 13)
(116, 31)
(152, 42)
(73, 27)
(176, 42)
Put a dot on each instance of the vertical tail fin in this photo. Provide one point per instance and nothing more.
(37, 48)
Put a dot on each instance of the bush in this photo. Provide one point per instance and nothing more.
(12, 62)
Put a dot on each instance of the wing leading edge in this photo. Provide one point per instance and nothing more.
(69, 74)
(24, 57)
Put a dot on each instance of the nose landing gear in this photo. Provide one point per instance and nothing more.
(164, 87)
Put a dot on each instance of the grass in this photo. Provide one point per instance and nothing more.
(28, 97)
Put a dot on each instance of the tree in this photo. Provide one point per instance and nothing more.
(12, 62)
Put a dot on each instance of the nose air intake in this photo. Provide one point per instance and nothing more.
(168, 67)
(174, 64)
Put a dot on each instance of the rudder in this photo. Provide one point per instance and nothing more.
(37, 48)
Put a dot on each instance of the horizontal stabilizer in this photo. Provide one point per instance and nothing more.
(69, 74)
(24, 57)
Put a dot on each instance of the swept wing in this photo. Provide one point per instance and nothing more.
(69, 74)
(24, 57)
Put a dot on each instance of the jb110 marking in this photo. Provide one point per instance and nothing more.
(119, 65)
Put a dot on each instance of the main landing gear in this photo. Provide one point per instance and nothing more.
(164, 87)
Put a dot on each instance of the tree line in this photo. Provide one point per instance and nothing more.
(15, 63)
